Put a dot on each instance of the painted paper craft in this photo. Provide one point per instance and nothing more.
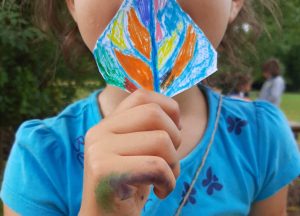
(155, 45)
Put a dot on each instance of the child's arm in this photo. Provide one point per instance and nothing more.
(129, 150)
(273, 206)
(8, 212)
(278, 160)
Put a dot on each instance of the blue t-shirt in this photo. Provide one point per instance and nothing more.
(253, 155)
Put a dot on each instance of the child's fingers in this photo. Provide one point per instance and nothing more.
(151, 143)
(147, 170)
(141, 97)
(144, 118)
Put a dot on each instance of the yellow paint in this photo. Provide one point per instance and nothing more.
(117, 33)
(184, 57)
(168, 47)
(166, 50)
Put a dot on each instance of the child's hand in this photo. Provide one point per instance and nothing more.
(131, 149)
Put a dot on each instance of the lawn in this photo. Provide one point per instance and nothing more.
(290, 105)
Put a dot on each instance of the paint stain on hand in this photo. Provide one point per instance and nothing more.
(111, 187)
(122, 187)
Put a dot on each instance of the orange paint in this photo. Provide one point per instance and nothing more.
(184, 57)
(137, 70)
(139, 34)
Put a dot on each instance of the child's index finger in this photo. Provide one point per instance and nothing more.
(140, 97)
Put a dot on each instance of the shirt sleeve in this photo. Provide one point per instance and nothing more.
(32, 184)
(278, 152)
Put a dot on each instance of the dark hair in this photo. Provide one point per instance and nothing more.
(246, 29)
(228, 82)
(272, 66)
(242, 79)
(52, 16)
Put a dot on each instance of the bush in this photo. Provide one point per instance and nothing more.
(34, 81)
(292, 62)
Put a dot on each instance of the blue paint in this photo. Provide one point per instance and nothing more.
(172, 17)
(143, 7)
(154, 49)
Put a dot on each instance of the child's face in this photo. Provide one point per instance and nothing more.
(212, 16)
(267, 74)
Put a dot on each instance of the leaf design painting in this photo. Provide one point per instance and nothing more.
(139, 35)
(117, 33)
(136, 69)
(184, 57)
(129, 85)
(166, 50)
(108, 67)
(155, 45)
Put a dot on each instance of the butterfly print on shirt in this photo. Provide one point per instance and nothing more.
(235, 125)
(191, 198)
(78, 146)
(211, 182)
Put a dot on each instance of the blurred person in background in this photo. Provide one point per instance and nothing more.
(242, 86)
(274, 86)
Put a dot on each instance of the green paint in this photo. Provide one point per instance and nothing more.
(107, 189)
(109, 68)
(105, 194)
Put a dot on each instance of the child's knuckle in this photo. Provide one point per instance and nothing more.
(177, 139)
(163, 140)
(153, 112)
(175, 107)
(139, 96)
(159, 165)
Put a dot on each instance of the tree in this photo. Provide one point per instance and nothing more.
(34, 80)
(280, 42)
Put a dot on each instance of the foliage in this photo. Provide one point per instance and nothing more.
(34, 81)
(292, 63)
(281, 42)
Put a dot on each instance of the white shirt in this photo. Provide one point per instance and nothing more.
(272, 90)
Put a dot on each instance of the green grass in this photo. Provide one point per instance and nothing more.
(290, 105)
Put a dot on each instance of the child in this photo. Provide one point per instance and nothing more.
(204, 154)
(242, 86)
(274, 86)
